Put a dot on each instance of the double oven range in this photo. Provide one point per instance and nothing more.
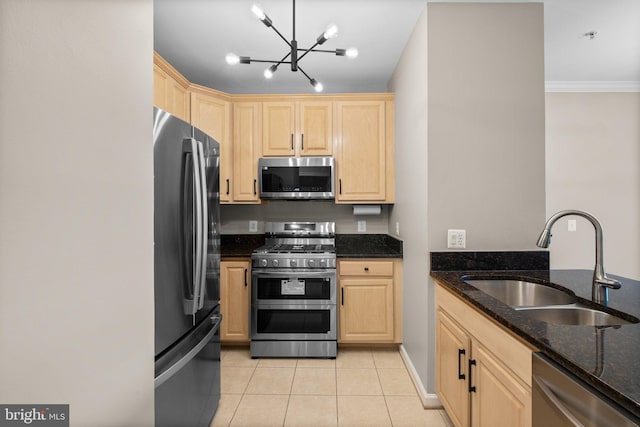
(293, 291)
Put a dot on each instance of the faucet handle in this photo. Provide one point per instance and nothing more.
(609, 283)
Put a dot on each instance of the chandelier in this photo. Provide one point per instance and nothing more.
(295, 53)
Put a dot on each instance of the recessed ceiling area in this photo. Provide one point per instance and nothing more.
(196, 35)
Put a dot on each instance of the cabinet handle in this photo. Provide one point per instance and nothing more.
(340, 182)
(302, 142)
(461, 352)
(254, 187)
(472, 388)
(342, 296)
(245, 277)
(227, 186)
(292, 141)
(366, 269)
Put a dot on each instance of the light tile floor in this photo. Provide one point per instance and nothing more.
(361, 387)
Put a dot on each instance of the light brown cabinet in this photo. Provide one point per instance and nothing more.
(483, 373)
(246, 151)
(235, 299)
(370, 299)
(211, 113)
(364, 152)
(295, 129)
(170, 89)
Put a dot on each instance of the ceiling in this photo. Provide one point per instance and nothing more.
(195, 36)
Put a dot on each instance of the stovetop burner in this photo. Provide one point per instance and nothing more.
(297, 245)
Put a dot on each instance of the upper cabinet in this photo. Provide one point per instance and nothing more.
(295, 129)
(170, 89)
(364, 152)
(356, 129)
(211, 112)
(246, 136)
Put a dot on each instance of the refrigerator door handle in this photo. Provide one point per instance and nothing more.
(175, 368)
(190, 145)
(204, 230)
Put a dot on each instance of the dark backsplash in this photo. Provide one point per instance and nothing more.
(506, 260)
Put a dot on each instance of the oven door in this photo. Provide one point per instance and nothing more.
(289, 286)
(293, 322)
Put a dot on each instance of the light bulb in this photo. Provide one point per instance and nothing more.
(232, 59)
(268, 73)
(316, 85)
(330, 32)
(352, 52)
(258, 12)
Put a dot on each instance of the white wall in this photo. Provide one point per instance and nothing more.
(409, 84)
(593, 164)
(76, 208)
(469, 146)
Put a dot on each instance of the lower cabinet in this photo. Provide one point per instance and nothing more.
(235, 299)
(483, 373)
(370, 301)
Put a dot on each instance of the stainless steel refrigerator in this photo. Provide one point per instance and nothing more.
(187, 273)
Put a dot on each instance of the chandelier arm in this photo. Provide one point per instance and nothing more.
(320, 50)
(281, 36)
(307, 51)
(305, 74)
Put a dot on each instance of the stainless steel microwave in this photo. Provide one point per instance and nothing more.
(296, 178)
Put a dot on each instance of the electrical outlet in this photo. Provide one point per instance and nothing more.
(253, 226)
(456, 239)
(571, 225)
(362, 226)
(397, 229)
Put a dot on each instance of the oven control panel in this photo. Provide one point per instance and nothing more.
(292, 262)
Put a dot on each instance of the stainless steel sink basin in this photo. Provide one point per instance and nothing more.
(573, 315)
(519, 293)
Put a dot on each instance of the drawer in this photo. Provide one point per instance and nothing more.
(366, 268)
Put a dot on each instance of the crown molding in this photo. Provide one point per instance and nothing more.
(592, 86)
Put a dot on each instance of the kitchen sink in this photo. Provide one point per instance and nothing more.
(574, 315)
(520, 293)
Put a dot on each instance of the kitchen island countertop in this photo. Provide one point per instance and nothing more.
(604, 357)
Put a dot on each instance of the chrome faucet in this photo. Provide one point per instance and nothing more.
(601, 283)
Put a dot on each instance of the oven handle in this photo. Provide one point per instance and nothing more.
(293, 273)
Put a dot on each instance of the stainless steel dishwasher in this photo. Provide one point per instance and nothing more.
(560, 399)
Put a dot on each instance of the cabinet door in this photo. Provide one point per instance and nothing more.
(278, 121)
(160, 84)
(246, 139)
(366, 309)
(361, 156)
(213, 116)
(235, 288)
(170, 95)
(453, 347)
(316, 128)
(500, 400)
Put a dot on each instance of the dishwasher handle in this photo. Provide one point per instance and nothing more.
(551, 398)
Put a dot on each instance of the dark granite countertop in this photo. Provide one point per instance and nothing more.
(347, 245)
(239, 245)
(604, 357)
(368, 246)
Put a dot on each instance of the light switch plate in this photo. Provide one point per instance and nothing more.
(456, 239)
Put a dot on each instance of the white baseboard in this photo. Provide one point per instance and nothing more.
(429, 400)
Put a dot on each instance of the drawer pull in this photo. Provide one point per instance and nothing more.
(366, 269)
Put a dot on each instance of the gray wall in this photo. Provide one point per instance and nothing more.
(479, 164)
(76, 208)
(593, 164)
(409, 84)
